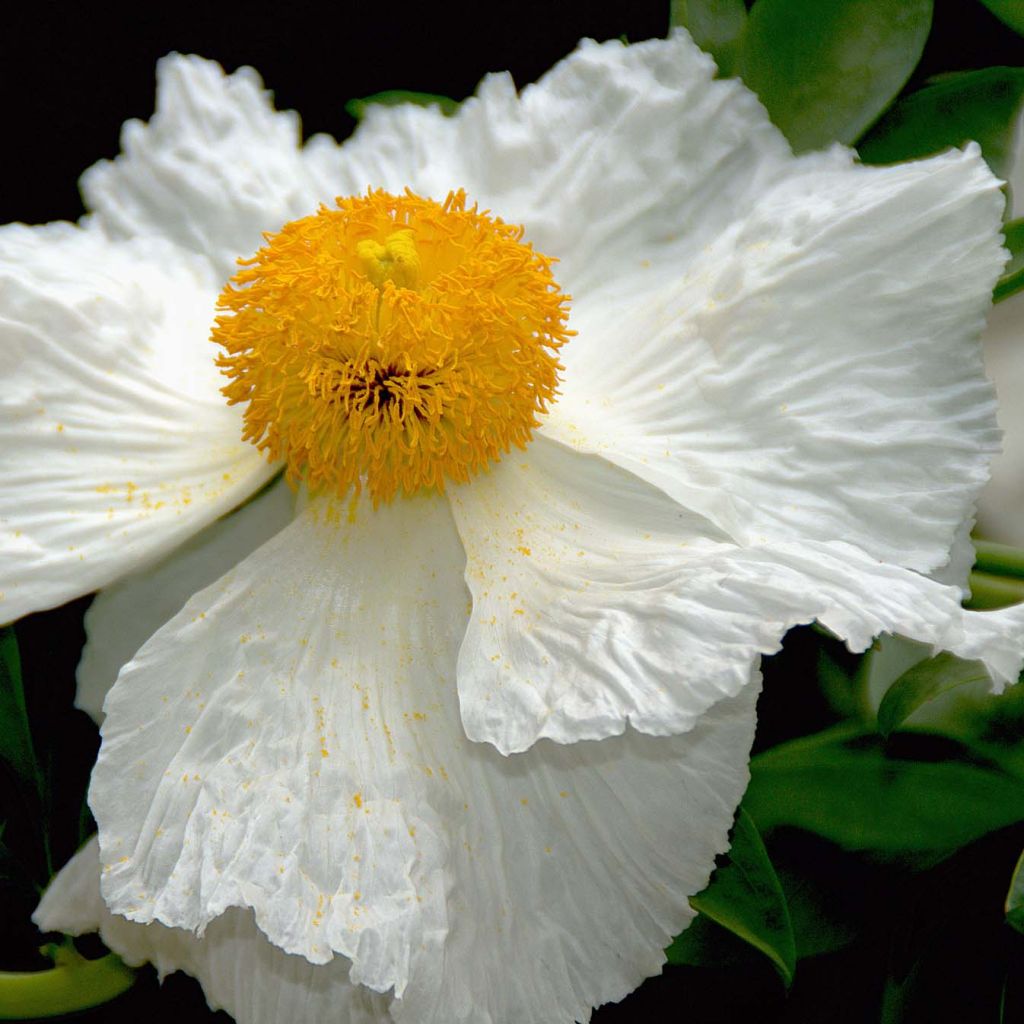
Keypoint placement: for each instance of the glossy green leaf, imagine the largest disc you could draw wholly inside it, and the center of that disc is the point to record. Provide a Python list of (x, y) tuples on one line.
[(1009, 12), (924, 682), (979, 105), (396, 97), (1015, 897), (15, 739), (825, 71), (746, 899), (716, 26), (849, 786), (1012, 280)]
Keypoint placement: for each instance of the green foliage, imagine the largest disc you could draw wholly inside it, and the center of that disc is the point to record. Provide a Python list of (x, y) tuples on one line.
[(1009, 12), (825, 71), (746, 899), (15, 738), (980, 105), (1015, 897), (716, 26), (1012, 280), (846, 785), (924, 682), (358, 108)]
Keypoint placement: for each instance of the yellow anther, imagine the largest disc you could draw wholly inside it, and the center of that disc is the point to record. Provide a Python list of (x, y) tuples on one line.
[(393, 343), (396, 260)]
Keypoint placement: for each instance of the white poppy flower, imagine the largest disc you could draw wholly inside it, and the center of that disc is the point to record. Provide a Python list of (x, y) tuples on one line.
[(399, 734)]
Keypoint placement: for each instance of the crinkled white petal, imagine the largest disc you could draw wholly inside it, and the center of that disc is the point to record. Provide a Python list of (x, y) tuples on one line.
[(1001, 504), (655, 154), (240, 971), (598, 601), (126, 614), (117, 443), (214, 168), (617, 157), (291, 742), (815, 372)]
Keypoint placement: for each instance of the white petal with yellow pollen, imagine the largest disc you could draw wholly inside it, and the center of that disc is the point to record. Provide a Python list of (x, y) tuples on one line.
[(214, 168), (656, 155), (123, 616), (117, 443), (598, 601), (815, 373), (240, 971), (292, 742)]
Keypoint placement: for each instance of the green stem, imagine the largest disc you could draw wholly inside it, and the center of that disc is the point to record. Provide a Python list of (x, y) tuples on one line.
[(73, 984), (989, 591), (998, 559)]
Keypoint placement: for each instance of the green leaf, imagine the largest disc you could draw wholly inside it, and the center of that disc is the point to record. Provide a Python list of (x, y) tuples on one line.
[(1012, 280), (979, 105), (745, 898), (1009, 12), (396, 97), (707, 944), (849, 786), (924, 682), (1015, 897), (716, 26), (825, 71), (15, 738)]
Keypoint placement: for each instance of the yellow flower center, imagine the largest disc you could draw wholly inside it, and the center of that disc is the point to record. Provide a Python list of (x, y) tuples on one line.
[(392, 343)]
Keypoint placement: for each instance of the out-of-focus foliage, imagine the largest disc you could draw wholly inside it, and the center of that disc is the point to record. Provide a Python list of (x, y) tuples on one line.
[(953, 110), (922, 683), (849, 787), (717, 27), (825, 71), (745, 898)]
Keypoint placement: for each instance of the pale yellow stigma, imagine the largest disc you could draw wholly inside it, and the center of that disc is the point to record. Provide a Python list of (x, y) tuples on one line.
[(393, 343)]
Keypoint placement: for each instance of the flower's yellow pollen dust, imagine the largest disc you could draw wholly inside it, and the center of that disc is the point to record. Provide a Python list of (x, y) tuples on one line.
[(393, 343)]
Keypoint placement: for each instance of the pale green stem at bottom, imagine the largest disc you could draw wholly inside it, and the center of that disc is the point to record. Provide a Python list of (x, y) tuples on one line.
[(73, 984)]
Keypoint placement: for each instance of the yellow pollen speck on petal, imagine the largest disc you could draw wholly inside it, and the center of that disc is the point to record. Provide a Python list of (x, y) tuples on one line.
[(393, 343)]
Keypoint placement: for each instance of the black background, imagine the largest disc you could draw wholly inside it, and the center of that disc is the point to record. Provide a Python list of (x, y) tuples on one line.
[(70, 74)]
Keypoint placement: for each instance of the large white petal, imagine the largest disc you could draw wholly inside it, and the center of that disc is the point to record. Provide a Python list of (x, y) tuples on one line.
[(620, 156), (117, 443), (292, 742), (815, 372), (214, 168), (123, 616), (598, 601), (240, 971)]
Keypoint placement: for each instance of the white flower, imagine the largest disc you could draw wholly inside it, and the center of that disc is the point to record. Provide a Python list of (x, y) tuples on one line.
[(774, 411)]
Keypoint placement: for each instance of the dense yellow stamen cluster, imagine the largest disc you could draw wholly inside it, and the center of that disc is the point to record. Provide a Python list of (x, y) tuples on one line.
[(392, 343)]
